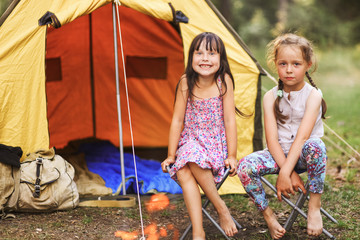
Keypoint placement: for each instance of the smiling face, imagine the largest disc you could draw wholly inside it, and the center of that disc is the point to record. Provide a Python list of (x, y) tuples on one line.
[(291, 67), (205, 62)]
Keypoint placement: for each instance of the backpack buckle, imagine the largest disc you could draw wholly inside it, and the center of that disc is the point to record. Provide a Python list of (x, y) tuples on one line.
[(36, 193)]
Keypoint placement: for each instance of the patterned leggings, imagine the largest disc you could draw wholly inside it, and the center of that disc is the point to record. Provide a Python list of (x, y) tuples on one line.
[(313, 159)]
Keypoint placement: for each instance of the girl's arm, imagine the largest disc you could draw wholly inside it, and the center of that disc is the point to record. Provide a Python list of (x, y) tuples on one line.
[(230, 126), (271, 134), (177, 122), (271, 130), (312, 109)]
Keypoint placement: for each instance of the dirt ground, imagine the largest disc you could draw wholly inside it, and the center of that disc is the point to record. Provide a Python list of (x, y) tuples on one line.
[(125, 223), (104, 223)]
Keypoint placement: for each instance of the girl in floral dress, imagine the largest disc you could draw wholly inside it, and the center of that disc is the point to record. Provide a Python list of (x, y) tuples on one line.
[(202, 138), (293, 113)]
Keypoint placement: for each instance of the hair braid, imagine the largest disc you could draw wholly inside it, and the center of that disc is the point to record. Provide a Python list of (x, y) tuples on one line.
[(278, 112), (310, 80), (323, 103)]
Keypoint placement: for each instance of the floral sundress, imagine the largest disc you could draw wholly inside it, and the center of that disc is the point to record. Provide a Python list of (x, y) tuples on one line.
[(203, 139)]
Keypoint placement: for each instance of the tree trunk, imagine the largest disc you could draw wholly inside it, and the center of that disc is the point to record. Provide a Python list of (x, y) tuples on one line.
[(282, 15), (225, 9)]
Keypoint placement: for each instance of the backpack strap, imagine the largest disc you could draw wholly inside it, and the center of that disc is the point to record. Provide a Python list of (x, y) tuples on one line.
[(4, 215), (39, 163)]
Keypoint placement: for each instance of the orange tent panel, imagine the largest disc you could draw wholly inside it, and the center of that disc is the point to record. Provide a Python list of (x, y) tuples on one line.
[(85, 101)]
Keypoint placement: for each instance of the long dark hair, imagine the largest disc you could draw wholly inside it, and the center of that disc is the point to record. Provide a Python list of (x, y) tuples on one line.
[(213, 42)]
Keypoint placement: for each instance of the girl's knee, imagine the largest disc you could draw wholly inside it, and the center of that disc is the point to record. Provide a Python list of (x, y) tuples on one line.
[(246, 168), (184, 173), (243, 166), (314, 145), (315, 148)]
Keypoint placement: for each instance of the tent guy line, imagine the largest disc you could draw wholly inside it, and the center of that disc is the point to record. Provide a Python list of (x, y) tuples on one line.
[(116, 5)]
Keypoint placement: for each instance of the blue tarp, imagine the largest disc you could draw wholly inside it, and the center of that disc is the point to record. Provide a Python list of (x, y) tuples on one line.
[(103, 158)]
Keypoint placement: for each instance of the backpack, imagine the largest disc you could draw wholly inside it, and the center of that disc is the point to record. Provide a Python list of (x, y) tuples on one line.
[(9, 177), (46, 183)]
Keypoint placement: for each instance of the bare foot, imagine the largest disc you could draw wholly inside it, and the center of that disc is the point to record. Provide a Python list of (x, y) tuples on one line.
[(227, 223), (314, 220), (275, 229)]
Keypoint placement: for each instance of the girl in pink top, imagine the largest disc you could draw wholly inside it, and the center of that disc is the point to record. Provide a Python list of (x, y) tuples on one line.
[(202, 138), (293, 113)]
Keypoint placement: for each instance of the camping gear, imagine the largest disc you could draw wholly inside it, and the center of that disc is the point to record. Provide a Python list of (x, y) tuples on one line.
[(102, 158), (78, 98), (9, 188), (46, 183), (87, 182), (9, 177)]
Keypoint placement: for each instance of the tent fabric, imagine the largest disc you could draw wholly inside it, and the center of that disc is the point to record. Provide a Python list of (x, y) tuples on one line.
[(23, 108), (150, 99), (78, 98), (243, 68), (23, 119), (157, 9)]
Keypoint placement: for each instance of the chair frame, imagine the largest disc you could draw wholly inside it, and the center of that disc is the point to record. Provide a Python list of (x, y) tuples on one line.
[(298, 206), (205, 204)]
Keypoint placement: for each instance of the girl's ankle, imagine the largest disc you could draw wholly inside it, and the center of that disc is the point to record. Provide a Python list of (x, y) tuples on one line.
[(314, 201), (268, 212), (200, 235)]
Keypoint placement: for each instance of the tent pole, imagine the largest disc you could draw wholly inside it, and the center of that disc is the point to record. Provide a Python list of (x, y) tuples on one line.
[(118, 102)]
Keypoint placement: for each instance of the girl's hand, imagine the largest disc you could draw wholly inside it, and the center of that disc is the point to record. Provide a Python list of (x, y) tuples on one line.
[(284, 186), (167, 162), (232, 164), (297, 182)]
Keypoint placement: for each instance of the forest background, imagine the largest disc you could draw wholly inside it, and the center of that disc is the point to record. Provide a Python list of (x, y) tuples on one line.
[(333, 27)]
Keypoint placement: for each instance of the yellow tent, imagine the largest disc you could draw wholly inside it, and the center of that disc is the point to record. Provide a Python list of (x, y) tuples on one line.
[(28, 111)]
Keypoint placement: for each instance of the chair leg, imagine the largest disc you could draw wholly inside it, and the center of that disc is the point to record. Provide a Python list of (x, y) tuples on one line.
[(215, 223), (323, 211), (236, 223), (299, 203), (293, 205), (205, 204), (187, 230)]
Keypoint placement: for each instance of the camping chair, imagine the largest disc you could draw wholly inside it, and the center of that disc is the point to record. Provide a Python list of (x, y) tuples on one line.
[(297, 206), (205, 204)]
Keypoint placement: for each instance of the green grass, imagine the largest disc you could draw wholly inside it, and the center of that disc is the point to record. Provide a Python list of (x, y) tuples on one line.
[(338, 74), (344, 204), (338, 78), (341, 202), (87, 219)]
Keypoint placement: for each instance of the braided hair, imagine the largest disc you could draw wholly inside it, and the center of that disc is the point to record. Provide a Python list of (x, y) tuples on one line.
[(323, 103), (308, 54)]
